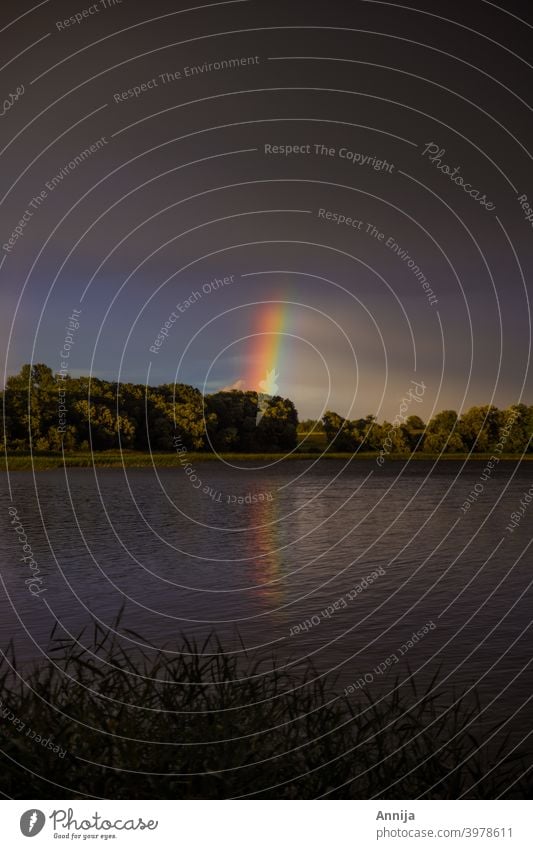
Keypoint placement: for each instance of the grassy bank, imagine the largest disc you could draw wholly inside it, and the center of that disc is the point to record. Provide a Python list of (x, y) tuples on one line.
[(170, 460), (206, 725)]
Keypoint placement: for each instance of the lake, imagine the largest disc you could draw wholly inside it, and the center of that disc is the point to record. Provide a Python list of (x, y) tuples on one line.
[(338, 562)]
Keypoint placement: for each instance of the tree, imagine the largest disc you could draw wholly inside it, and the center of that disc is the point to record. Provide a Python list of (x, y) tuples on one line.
[(105, 414), (394, 440), (480, 427), (371, 434), (310, 425), (30, 404), (340, 433), (516, 431), (233, 422), (277, 429)]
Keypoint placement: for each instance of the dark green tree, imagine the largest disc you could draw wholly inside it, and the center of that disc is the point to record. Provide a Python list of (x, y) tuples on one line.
[(479, 428), (442, 434)]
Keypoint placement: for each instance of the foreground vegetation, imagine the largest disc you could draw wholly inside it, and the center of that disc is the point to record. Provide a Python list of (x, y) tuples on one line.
[(207, 724)]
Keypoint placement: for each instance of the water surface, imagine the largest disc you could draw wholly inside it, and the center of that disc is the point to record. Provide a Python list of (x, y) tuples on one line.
[(257, 556)]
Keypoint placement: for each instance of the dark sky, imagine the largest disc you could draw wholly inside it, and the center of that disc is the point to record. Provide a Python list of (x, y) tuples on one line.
[(184, 188)]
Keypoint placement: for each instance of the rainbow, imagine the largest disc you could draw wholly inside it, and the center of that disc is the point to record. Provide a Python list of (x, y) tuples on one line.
[(265, 348)]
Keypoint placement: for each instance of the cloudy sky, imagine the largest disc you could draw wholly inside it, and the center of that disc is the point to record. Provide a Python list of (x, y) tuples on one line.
[(335, 191)]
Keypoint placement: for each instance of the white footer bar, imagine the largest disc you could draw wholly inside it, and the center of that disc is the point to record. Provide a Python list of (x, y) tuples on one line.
[(268, 824)]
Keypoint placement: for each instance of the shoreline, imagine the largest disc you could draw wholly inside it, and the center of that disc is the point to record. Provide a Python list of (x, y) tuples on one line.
[(170, 460)]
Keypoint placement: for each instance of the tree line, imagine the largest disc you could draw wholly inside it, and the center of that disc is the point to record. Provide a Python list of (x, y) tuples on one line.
[(50, 413), (480, 429)]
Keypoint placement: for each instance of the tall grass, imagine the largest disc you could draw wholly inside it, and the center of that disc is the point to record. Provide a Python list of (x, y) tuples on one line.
[(209, 724), (138, 459)]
